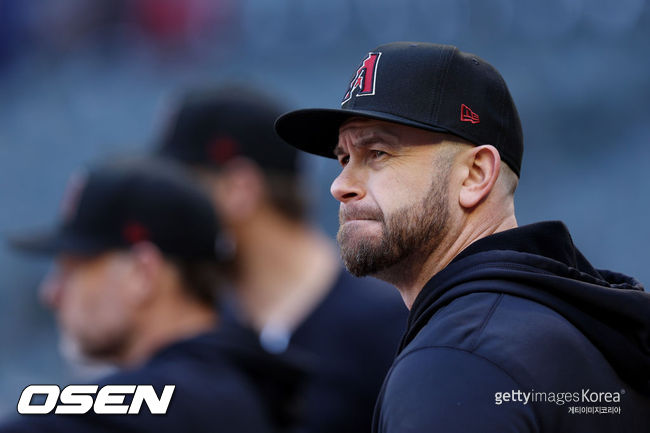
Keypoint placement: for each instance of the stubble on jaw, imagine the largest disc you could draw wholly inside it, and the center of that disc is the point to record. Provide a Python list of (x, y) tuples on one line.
[(408, 236)]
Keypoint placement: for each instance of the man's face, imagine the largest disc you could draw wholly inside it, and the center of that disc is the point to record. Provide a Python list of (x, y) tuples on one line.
[(91, 298), (394, 196)]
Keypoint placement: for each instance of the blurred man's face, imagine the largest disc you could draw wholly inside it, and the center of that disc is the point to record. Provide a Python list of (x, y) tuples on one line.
[(393, 190), (90, 296)]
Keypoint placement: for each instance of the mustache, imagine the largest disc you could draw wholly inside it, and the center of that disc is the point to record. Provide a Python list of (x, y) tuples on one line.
[(349, 212)]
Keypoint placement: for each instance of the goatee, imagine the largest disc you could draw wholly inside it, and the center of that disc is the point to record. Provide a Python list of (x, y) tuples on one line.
[(409, 233)]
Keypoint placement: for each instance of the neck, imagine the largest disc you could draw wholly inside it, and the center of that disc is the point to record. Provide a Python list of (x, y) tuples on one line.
[(284, 268), (166, 323), (411, 275)]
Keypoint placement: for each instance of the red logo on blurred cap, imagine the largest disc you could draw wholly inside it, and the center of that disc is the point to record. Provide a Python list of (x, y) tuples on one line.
[(221, 149), (467, 115), (135, 232)]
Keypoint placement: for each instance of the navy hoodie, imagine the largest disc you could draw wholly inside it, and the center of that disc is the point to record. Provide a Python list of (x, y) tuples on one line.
[(519, 333), (224, 381)]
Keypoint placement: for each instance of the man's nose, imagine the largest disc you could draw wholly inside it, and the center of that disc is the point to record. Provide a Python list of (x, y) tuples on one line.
[(51, 289), (348, 185)]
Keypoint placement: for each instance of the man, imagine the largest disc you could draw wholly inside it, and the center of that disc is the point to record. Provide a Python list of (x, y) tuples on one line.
[(135, 286), (289, 286), (511, 328)]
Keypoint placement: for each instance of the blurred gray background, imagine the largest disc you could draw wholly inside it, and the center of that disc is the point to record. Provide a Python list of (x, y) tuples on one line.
[(82, 80)]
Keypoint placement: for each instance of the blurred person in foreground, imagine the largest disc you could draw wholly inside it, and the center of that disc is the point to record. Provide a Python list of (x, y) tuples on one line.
[(289, 285), (136, 285), (511, 328)]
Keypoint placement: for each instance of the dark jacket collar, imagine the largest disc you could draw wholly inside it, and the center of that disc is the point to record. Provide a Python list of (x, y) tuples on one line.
[(539, 262), (549, 239)]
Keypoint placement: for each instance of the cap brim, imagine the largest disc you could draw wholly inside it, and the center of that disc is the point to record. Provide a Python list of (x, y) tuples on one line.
[(52, 242), (316, 130)]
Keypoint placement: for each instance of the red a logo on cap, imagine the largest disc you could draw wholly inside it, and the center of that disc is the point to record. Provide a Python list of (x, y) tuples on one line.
[(364, 78), (467, 115)]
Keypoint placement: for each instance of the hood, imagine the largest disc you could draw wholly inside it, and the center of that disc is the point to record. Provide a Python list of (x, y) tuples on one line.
[(540, 262)]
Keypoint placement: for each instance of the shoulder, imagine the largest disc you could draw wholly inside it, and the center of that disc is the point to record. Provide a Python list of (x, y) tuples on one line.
[(198, 403), (496, 326), (451, 390), (206, 377), (365, 307), (360, 319), (366, 296), (478, 348), (522, 337), (209, 389)]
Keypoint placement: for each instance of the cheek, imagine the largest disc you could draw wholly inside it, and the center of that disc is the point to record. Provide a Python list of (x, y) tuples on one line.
[(111, 302), (92, 306), (398, 189), (76, 307)]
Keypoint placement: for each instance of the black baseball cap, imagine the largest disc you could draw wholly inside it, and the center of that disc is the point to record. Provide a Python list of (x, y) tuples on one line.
[(213, 125), (428, 86), (115, 205)]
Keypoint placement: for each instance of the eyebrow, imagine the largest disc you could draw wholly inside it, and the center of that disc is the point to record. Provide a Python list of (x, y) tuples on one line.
[(371, 138)]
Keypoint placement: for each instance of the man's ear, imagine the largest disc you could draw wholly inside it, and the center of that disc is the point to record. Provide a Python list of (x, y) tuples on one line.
[(149, 266), (483, 164)]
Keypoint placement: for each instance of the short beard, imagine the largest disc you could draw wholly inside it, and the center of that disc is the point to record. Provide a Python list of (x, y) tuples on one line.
[(74, 355), (108, 349), (409, 235)]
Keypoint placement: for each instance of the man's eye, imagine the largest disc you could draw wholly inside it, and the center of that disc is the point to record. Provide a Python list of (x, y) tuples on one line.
[(344, 159), (378, 153)]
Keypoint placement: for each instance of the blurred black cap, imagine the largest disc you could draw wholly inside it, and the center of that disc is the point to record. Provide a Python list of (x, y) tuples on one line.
[(114, 206), (211, 126)]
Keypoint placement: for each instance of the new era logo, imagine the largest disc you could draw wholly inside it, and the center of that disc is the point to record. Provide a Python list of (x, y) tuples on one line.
[(467, 115)]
